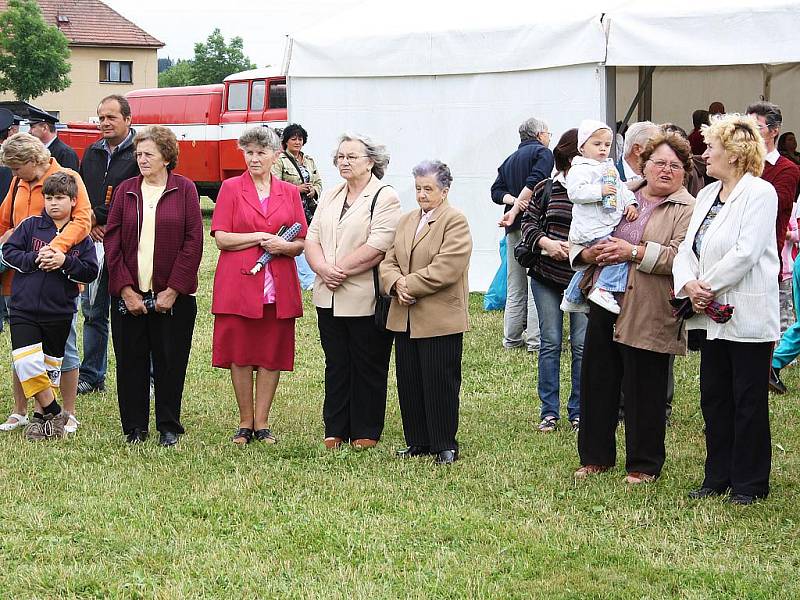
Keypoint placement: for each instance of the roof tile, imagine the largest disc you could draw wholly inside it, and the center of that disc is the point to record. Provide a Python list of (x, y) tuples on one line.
[(93, 23)]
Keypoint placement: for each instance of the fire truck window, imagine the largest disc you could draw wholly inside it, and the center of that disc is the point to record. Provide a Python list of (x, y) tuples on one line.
[(237, 96), (257, 96), (277, 94)]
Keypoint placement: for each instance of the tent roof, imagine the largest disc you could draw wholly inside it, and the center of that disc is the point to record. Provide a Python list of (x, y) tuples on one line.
[(710, 32), (420, 37)]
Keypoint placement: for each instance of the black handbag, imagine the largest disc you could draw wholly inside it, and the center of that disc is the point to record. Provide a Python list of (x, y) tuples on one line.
[(523, 251), (382, 301)]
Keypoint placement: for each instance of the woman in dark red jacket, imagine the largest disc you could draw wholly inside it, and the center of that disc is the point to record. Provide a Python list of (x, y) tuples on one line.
[(153, 246), (254, 314)]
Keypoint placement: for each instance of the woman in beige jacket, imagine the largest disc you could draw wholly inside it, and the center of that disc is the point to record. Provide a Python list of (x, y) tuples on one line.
[(630, 352), (351, 231), (425, 271)]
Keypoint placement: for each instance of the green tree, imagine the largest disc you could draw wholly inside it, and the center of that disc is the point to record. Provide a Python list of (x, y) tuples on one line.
[(215, 60), (177, 75), (33, 55)]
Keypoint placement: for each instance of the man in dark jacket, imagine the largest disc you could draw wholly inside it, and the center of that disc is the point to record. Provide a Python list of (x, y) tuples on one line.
[(43, 126), (517, 176), (106, 164)]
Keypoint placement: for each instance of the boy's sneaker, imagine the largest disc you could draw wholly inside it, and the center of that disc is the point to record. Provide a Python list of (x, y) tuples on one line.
[(604, 299), (34, 431), (576, 425), (57, 425), (573, 307), (548, 424)]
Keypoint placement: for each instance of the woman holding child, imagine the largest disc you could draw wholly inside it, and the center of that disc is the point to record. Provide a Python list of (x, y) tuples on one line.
[(629, 352)]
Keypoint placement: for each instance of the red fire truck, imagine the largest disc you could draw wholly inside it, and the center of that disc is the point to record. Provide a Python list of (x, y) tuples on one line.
[(207, 119)]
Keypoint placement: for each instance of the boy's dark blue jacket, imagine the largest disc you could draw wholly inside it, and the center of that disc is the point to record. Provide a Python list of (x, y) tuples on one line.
[(46, 295)]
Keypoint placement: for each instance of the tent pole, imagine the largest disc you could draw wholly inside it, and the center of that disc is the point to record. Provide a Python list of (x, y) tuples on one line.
[(611, 102), (767, 70), (648, 78), (646, 102)]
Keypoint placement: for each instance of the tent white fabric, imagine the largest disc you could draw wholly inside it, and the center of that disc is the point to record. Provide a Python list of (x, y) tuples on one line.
[(711, 32), (447, 80)]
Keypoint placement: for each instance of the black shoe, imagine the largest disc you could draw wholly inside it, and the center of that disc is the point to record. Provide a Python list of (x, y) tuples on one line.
[(703, 492), (742, 499), (168, 438), (84, 387), (137, 436), (775, 383), (446, 457), (413, 451)]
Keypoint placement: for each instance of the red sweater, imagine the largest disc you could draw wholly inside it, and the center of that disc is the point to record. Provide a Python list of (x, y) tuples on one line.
[(178, 239), (783, 176)]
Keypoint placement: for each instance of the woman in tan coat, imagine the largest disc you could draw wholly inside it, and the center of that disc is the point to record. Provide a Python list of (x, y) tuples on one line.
[(630, 352), (349, 235), (425, 271)]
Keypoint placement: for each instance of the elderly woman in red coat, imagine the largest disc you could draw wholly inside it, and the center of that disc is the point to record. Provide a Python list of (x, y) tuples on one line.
[(254, 314)]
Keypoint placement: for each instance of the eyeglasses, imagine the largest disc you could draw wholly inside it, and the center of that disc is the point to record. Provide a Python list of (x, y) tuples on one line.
[(350, 158), (661, 165)]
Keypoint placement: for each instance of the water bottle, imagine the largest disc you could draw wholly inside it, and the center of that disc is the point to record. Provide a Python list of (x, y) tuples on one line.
[(610, 178)]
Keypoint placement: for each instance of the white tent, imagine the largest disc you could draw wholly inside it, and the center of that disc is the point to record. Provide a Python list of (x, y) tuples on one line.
[(453, 80), (733, 51), (448, 80)]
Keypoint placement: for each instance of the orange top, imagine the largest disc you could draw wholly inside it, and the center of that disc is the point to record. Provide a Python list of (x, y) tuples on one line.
[(30, 202)]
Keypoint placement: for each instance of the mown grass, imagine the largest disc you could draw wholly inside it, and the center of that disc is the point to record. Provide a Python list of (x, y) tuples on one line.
[(91, 517)]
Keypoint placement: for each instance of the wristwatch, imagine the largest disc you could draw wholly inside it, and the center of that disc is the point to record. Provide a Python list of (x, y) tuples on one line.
[(635, 252)]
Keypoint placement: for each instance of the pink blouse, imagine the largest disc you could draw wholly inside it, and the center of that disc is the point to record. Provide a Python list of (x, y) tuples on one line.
[(269, 282)]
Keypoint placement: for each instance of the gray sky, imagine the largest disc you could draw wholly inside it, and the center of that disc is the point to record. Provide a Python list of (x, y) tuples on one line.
[(262, 25)]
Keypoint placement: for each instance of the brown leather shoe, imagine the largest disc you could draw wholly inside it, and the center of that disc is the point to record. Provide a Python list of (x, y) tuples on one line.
[(635, 478), (364, 443), (331, 443), (587, 470)]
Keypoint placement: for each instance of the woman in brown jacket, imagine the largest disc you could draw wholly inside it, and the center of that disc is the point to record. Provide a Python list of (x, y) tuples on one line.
[(425, 270), (630, 352)]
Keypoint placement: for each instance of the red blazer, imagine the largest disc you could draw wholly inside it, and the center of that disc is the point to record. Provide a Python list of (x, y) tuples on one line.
[(178, 243), (783, 176), (238, 210)]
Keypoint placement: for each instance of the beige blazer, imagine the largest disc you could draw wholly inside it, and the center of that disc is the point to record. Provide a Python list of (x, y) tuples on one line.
[(340, 237), (435, 266)]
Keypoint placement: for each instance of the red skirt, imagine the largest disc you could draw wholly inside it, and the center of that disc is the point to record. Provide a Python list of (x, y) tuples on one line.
[(267, 342)]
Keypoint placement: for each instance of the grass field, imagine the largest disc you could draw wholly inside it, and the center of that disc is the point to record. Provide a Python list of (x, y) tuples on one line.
[(92, 517)]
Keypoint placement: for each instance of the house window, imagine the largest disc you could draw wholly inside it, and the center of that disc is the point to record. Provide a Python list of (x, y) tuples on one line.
[(277, 94), (116, 71)]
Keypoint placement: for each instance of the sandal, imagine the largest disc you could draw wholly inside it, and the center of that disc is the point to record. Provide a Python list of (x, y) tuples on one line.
[(19, 421), (243, 436), (265, 435), (587, 470), (72, 424), (635, 478)]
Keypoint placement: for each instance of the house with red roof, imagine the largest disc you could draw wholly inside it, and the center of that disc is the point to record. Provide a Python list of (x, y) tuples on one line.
[(109, 55)]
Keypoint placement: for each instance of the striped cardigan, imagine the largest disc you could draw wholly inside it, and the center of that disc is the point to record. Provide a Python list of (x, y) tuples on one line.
[(554, 223)]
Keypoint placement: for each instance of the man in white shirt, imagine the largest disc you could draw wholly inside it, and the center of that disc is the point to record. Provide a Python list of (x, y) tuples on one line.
[(636, 138)]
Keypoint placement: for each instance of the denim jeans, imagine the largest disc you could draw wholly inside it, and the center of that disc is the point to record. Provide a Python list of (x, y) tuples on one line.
[(95, 333), (548, 300), (520, 321), (613, 278), (304, 272)]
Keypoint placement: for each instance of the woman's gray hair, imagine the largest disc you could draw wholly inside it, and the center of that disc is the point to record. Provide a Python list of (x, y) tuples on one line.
[(262, 136), (436, 169), (531, 128), (375, 152)]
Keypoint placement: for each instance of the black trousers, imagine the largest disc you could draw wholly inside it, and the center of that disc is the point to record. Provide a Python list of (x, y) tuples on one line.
[(168, 338), (734, 399), (609, 368), (428, 385), (356, 371)]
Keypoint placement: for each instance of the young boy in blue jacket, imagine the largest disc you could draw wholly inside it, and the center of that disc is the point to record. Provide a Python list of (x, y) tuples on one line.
[(43, 295)]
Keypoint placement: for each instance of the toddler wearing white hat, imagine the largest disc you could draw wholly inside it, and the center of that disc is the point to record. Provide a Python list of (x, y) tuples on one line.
[(591, 178)]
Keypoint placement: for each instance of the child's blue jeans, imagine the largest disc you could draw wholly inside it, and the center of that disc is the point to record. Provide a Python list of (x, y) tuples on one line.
[(613, 278)]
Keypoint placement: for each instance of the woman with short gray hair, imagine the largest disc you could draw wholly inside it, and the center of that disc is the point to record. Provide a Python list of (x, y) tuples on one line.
[(352, 229), (255, 312), (425, 271)]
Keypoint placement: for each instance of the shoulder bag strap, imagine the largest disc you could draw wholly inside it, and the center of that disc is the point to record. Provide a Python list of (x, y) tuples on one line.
[(13, 200), (296, 166), (375, 268)]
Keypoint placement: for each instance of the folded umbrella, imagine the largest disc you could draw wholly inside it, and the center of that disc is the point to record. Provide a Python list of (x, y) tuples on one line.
[(287, 234)]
